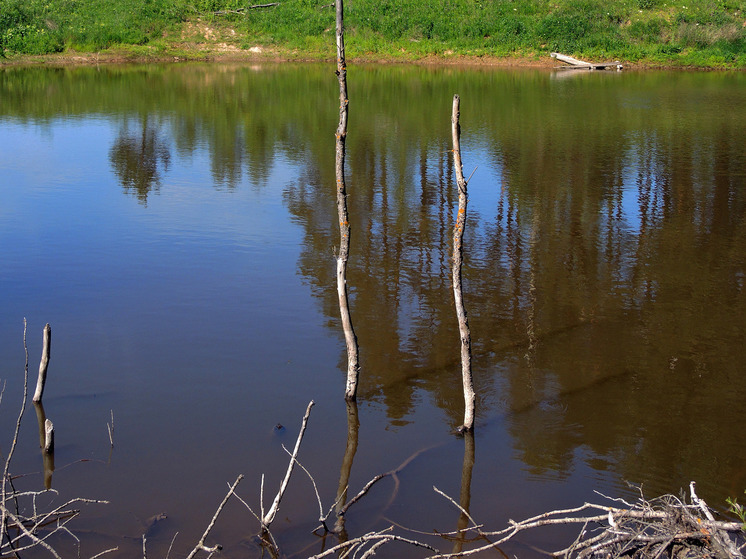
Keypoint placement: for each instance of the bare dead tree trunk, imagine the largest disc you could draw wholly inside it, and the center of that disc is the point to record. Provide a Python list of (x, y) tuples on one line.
[(353, 366), (458, 236), (47, 342)]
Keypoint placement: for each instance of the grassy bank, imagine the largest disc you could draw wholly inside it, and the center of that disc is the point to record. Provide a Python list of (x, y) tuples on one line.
[(700, 33)]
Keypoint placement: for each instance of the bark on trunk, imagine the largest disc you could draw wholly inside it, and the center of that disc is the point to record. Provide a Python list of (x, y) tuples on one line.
[(353, 366), (458, 236)]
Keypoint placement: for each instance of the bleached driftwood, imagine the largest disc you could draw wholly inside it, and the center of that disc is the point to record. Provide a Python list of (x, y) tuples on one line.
[(242, 10), (665, 526), (582, 65)]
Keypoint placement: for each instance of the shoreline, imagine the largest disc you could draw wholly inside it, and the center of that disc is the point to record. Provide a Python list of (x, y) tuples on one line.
[(225, 54)]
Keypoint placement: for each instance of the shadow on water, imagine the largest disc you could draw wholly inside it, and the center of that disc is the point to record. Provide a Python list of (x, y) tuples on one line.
[(604, 270)]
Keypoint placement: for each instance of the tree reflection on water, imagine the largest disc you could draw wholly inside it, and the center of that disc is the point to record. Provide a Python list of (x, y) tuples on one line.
[(139, 158), (605, 253)]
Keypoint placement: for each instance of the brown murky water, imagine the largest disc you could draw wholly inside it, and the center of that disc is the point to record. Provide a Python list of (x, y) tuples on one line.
[(176, 226)]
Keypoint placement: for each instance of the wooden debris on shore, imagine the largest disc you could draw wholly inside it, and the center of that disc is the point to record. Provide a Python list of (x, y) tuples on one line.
[(242, 10), (575, 64)]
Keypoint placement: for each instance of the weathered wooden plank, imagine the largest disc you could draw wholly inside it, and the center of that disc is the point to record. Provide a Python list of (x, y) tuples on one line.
[(570, 60), (581, 64)]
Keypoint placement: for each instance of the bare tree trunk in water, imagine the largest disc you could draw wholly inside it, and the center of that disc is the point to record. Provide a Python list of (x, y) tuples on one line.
[(458, 236), (353, 366), (41, 381)]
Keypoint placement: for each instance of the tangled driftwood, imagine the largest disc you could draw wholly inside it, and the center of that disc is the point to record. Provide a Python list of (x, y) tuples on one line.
[(664, 527)]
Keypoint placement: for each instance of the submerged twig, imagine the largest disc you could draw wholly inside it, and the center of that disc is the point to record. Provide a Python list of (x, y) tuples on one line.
[(376, 539), (170, 547), (393, 473), (111, 429), (102, 553), (459, 507), (270, 516), (201, 543), (322, 515)]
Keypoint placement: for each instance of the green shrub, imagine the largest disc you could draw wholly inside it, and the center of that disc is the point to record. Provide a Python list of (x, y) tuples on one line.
[(29, 39), (41, 26), (512, 26), (647, 4), (24, 29), (669, 49), (646, 31), (624, 29), (562, 31)]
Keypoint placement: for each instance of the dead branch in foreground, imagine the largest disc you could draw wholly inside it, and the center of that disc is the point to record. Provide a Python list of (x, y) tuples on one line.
[(665, 527), (374, 540), (23, 522), (270, 516), (662, 527), (201, 543)]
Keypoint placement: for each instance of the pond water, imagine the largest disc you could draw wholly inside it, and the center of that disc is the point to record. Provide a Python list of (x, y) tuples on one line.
[(176, 226)]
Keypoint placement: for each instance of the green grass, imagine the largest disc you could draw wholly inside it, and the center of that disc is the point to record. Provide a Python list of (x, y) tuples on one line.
[(710, 33), (46, 26)]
